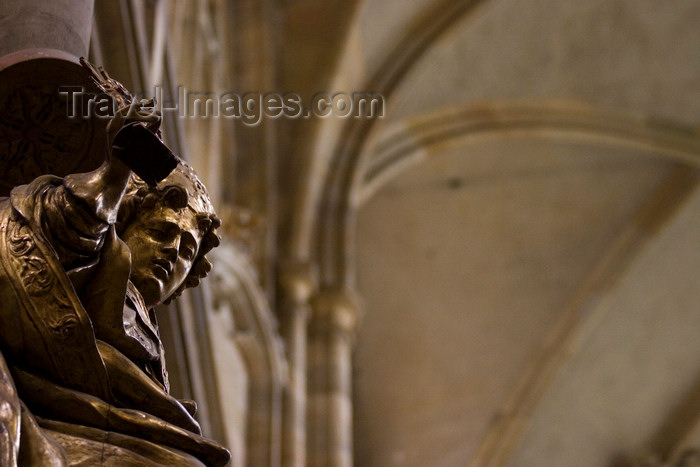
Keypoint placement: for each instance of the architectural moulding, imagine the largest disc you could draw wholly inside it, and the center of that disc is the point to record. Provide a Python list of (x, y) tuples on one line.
[(326, 209), (336, 315), (296, 285), (407, 142), (235, 289)]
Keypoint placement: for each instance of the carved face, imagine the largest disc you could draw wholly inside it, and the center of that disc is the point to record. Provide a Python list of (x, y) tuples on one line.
[(164, 243)]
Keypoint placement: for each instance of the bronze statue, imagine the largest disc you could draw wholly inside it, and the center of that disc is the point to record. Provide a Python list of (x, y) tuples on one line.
[(83, 261)]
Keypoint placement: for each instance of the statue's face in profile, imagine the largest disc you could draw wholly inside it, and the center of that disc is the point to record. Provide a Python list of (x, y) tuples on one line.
[(164, 243)]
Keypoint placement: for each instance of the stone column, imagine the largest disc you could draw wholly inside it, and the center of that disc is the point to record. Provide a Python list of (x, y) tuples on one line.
[(331, 337), (40, 24), (296, 286)]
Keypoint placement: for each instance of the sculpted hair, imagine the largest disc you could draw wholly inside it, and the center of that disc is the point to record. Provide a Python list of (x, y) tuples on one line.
[(139, 196)]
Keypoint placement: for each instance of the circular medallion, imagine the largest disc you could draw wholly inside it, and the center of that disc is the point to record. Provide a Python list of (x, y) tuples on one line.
[(44, 128)]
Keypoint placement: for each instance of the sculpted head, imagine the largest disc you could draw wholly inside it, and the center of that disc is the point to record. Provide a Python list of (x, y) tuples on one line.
[(168, 229)]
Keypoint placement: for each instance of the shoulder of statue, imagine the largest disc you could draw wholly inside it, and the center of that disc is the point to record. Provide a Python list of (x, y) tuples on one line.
[(23, 197)]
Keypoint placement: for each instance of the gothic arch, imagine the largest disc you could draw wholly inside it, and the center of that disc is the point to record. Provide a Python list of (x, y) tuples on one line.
[(326, 232), (408, 142)]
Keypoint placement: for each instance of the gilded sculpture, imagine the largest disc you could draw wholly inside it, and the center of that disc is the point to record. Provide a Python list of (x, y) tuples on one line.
[(84, 259)]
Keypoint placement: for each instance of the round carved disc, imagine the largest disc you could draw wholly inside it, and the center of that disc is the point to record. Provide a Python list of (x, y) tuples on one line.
[(37, 136)]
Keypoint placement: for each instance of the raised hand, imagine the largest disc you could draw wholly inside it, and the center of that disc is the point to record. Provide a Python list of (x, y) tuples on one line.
[(128, 110), (133, 133)]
